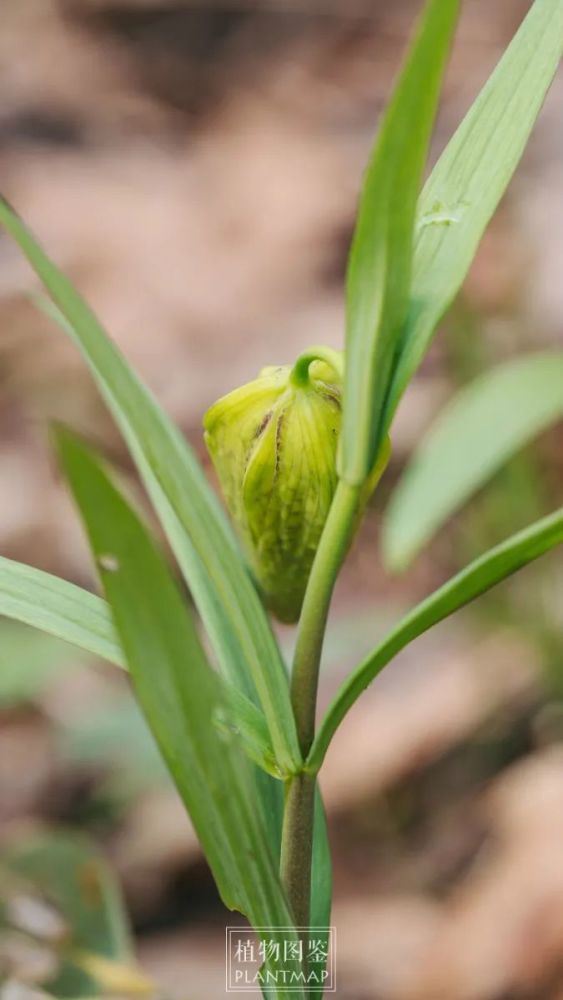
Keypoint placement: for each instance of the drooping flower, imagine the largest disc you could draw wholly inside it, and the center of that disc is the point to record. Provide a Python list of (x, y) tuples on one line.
[(273, 444)]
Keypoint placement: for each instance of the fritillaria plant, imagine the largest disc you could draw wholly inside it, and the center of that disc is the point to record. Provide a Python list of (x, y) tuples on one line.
[(298, 452)]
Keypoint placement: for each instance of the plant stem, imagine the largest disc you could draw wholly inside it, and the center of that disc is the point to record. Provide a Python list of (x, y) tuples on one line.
[(297, 845), (297, 833), (330, 555)]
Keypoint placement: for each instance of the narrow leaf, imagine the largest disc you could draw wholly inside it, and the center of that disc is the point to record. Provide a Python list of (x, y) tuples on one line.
[(480, 429), (471, 177), (321, 884), (242, 717), (478, 577), (30, 596), (204, 546), (177, 692), (46, 602), (381, 255)]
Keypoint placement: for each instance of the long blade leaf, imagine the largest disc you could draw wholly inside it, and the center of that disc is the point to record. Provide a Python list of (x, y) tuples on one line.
[(478, 577), (207, 554), (480, 429), (381, 255), (470, 178), (177, 692), (46, 602), (321, 884), (62, 609)]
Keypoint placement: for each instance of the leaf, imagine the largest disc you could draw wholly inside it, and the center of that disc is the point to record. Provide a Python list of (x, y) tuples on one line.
[(482, 574), (242, 717), (113, 737), (202, 542), (64, 610), (321, 882), (30, 596), (29, 662), (481, 427), (177, 692), (471, 177), (70, 874), (380, 259)]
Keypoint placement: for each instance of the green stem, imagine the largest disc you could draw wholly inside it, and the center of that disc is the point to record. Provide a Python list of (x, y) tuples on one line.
[(297, 833), (297, 845), (332, 549)]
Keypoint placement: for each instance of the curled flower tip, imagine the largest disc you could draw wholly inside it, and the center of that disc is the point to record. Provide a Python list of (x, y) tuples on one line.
[(273, 444)]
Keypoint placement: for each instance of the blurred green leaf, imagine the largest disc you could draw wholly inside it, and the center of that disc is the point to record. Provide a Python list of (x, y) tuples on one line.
[(29, 661), (114, 735), (475, 579), (379, 269), (188, 509), (178, 692), (470, 178), (69, 873), (482, 426)]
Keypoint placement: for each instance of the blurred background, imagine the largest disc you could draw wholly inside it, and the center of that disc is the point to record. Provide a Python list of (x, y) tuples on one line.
[(194, 168)]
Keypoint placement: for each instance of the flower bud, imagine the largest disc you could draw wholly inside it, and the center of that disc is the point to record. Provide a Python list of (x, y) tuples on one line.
[(273, 444)]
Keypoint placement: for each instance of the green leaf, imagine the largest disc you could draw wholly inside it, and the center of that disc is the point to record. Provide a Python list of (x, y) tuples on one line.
[(242, 717), (70, 874), (482, 426), (381, 256), (64, 610), (198, 533), (321, 882), (470, 178), (29, 662), (113, 737), (60, 608), (475, 579), (178, 692)]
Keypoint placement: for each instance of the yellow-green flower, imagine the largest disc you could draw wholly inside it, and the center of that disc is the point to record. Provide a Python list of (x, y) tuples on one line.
[(273, 444)]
